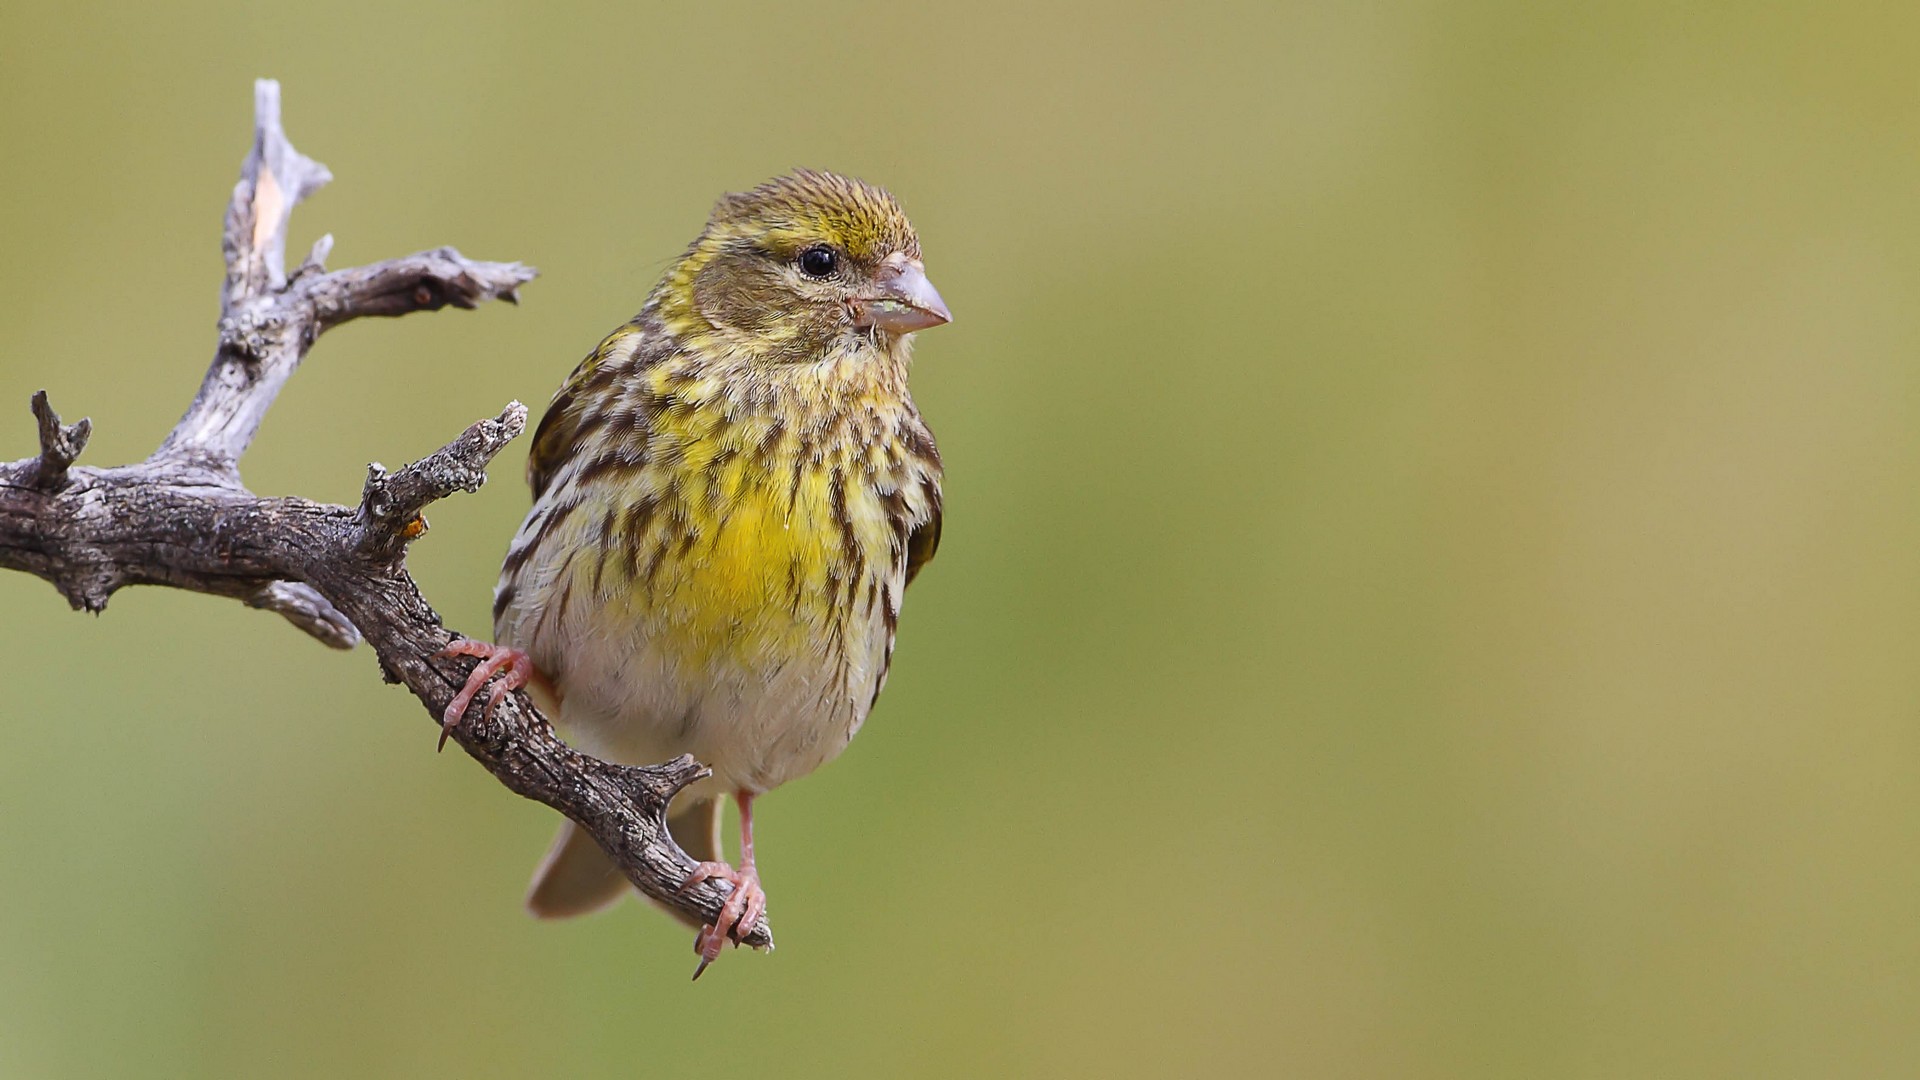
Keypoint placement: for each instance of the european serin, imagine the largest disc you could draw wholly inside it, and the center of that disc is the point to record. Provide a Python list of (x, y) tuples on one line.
[(730, 496)]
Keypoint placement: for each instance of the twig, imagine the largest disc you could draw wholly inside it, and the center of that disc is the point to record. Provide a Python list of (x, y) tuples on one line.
[(183, 519), (390, 505), (60, 444)]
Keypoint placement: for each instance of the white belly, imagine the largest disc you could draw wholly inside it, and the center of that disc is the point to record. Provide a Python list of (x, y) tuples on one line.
[(757, 721), (756, 729)]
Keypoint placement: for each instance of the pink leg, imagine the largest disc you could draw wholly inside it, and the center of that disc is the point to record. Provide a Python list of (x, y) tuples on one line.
[(745, 903), (493, 659)]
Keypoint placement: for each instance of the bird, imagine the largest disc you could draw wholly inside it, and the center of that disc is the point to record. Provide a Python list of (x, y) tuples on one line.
[(731, 495)]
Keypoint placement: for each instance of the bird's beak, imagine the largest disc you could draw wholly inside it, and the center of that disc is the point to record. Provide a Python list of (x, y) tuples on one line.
[(907, 301)]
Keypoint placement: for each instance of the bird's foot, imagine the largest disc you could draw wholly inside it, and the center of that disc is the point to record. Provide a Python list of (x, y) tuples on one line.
[(493, 660), (738, 915)]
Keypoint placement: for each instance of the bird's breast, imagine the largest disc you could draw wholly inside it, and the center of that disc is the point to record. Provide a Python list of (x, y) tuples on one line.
[(721, 578), (754, 542)]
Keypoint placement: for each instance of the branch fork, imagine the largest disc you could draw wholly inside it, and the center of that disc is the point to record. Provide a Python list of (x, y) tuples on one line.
[(182, 518)]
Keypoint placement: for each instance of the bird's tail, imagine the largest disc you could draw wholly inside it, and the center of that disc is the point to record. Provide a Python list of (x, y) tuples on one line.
[(577, 878)]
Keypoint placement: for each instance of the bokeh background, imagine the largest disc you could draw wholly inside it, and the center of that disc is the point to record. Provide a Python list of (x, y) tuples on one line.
[(1431, 585)]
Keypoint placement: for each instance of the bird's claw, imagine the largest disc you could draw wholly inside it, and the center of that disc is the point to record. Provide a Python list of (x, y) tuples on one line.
[(493, 659), (738, 916)]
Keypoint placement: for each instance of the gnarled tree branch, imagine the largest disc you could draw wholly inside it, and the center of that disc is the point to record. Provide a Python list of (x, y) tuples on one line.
[(182, 518)]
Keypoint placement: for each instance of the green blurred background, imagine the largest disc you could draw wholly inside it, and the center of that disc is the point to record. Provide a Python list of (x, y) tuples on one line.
[(1430, 582)]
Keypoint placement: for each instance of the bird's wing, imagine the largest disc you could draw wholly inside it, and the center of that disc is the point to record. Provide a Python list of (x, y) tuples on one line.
[(558, 436), (551, 439), (923, 541)]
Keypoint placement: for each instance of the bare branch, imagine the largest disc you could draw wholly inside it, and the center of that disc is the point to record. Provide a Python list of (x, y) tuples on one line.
[(267, 323), (390, 505), (261, 342), (273, 180), (316, 261), (183, 519), (308, 610), (428, 281), (60, 444)]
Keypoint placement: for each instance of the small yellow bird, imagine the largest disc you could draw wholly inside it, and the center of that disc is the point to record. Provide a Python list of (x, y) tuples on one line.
[(730, 496)]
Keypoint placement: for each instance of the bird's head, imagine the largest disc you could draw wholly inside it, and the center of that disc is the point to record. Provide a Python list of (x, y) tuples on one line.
[(799, 263)]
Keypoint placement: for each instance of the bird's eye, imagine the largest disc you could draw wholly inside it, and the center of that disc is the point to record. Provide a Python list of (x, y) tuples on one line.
[(818, 261)]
